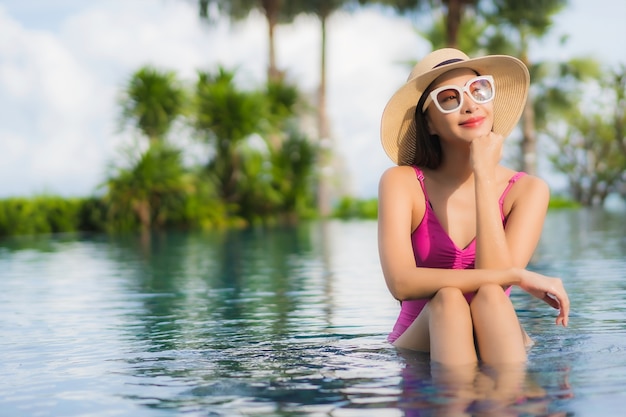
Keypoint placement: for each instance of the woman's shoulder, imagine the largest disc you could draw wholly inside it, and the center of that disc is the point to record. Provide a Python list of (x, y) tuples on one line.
[(523, 178), (525, 191), (531, 181), (400, 197), (400, 179), (528, 186), (399, 173)]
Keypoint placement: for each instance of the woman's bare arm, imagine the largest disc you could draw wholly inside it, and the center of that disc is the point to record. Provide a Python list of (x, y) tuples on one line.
[(496, 246), (401, 206), (401, 203)]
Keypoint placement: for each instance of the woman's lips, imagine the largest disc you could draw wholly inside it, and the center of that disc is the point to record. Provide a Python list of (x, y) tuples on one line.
[(473, 122)]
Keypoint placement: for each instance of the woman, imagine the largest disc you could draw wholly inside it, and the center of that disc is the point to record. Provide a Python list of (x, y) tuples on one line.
[(456, 228)]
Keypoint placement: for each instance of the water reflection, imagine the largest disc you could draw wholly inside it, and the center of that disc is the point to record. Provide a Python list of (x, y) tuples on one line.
[(231, 283), (587, 249), (430, 389), (287, 322), (580, 235)]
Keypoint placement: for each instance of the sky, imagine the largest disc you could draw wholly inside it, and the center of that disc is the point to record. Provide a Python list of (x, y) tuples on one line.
[(63, 64)]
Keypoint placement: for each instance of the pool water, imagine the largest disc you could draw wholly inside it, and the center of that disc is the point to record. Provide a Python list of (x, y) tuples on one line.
[(287, 322)]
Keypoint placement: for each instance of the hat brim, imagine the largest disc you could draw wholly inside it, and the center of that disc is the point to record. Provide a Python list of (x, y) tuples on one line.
[(512, 81)]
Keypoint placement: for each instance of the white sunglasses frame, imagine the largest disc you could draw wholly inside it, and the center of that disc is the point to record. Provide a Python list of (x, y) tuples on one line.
[(432, 96)]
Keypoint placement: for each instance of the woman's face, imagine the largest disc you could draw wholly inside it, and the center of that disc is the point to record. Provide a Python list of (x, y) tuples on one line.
[(469, 121)]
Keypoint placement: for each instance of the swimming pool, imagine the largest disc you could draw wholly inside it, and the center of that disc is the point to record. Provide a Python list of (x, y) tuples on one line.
[(284, 322)]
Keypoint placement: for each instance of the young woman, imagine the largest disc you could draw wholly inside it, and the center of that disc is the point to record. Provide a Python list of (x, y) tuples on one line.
[(456, 228)]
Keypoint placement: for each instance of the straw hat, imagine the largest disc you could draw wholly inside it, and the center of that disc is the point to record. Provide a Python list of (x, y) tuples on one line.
[(398, 132)]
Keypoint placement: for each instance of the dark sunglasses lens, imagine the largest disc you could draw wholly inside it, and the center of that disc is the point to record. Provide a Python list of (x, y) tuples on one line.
[(449, 99)]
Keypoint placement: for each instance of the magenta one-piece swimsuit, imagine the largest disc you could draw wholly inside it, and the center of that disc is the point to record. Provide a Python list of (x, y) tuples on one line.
[(433, 248)]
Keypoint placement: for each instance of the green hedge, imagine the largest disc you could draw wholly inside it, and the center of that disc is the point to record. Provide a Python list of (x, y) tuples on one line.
[(41, 214), (54, 214), (352, 208), (559, 202)]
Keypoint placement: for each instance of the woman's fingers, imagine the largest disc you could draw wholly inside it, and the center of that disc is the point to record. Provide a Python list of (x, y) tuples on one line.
[(562, 301), (551, 291), (554, 303), (563, 317), (551, 300)]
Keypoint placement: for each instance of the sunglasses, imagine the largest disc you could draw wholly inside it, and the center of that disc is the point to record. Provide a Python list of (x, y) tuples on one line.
[(449, 98)]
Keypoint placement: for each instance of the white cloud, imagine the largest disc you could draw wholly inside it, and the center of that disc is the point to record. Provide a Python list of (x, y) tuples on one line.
[(368, 61), (131, 34), (45, 99), (62, 88), (62, 67), (67, 80)]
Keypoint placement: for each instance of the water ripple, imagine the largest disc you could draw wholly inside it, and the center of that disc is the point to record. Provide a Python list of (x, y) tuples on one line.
[(211, 325)]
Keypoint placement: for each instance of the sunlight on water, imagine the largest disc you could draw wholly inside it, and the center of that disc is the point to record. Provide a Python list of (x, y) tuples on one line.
[(289, 322)]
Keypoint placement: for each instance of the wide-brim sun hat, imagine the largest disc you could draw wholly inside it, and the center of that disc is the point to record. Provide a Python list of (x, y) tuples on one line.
[(398, 130)]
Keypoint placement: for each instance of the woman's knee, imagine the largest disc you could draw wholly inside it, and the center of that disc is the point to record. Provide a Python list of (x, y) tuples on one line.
[(490, 294), (448, 298)]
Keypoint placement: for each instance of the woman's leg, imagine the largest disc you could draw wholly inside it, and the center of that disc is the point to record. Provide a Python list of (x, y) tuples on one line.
[(444, 327), (499, 335)]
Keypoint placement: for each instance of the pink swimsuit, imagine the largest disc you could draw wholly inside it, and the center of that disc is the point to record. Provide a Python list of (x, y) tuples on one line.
[(433, 248)]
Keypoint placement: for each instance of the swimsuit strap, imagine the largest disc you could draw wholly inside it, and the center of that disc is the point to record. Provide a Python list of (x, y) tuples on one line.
[(512, 181), (420, 177)]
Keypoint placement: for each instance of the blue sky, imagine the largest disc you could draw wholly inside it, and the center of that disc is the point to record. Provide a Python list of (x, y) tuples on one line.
[(63, 64)]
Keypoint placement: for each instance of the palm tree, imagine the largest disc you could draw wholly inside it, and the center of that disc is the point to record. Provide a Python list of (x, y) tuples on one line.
[(323, 9), (454, 12), (155, 182), (470, 34), (292, 169), (273, 10), (224, 118), (592, 152), (516, 23), (257, 183), (151, 102), (520, 22), (278, 11), (150, 192)]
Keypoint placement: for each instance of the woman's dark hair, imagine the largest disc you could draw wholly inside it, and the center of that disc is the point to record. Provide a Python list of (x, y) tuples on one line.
[(428, 153)]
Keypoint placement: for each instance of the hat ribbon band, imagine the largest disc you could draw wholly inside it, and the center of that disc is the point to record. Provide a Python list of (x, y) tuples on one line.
[(449, 61)]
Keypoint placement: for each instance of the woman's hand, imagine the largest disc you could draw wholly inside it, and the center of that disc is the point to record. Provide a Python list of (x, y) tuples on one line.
[(486, 152), (548, 289)]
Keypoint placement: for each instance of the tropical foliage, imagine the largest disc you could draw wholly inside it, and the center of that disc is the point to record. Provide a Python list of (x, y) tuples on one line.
[(40, 214), (351, 208), (591, 146), (251, 162), (151, 192), (152, 101), (592, 149), (259, 167)]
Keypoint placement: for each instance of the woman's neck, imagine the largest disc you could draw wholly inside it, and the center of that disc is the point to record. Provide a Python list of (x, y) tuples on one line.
[(455, 164)]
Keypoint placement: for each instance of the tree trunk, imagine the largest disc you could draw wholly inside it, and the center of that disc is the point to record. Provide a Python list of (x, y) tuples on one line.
[(143, 212), (271, 8), (323, 128), (529, 140), (453, 21), (529, 132)]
